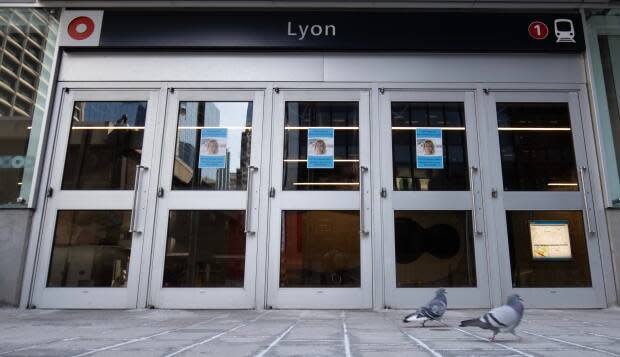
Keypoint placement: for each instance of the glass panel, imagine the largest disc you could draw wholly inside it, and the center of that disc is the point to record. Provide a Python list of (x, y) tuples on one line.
[(205, 249), (91, 249), (450, 118), (24, 83), (343, 117), (434, 248), (105, 145), (541, 258), (320, 249), (609, 110), (536, 144), (197, 117)]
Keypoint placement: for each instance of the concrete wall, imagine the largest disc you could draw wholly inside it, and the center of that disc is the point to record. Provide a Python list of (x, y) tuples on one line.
[(14, 233), (613, 221)]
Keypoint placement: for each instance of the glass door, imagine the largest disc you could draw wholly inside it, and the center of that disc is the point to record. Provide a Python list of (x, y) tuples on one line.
[(434, 233), (545, 224), (319, 236), (94, 225), (206, 221)]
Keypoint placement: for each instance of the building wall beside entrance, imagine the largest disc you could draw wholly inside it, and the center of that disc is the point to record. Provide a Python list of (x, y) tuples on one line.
[(360, 222)]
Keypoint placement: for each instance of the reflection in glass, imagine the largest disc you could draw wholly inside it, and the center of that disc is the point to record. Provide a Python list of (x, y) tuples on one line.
[(27, 44), (536, 273), (320, 249), (205, 249), (536, 146), (450, 117), (433, 249), (105, 145), (193, 116), (608, 46), (344, 118), (91, 249)]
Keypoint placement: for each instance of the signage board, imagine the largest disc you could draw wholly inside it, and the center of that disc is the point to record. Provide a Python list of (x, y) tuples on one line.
[(320, 148), (213, 143), (342, 30), (429, 148), (80, 28), (550, 240)]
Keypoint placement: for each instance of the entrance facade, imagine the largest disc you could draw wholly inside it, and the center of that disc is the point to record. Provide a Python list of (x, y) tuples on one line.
[(209, 194)]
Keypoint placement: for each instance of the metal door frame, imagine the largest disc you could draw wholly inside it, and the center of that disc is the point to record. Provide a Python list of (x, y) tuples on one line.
[(327, 298), (533, 200), (466, 200), (218, 297), (128, 297)]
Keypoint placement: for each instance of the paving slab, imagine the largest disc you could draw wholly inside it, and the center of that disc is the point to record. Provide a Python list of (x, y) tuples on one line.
[(230, 333), (307, 349)]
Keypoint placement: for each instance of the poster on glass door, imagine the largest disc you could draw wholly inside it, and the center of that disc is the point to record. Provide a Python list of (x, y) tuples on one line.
[(213, 143), (321, 148), (429, 148), (550, 240)]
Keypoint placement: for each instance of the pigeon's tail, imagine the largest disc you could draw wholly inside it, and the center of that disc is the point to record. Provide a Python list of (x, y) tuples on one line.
[(414, 317), (472, 322)]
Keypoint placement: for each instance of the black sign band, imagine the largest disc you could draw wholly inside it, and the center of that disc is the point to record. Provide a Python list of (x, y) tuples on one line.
[(344, 31)]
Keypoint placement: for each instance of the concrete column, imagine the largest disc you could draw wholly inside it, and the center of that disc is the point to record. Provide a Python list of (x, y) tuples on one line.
[(14, 234), (613, 221)]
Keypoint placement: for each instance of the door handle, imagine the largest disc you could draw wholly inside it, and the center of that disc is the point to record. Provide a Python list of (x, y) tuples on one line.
[(582, 171), (474, 209), (248, 207), (363, 230), (136, 193)]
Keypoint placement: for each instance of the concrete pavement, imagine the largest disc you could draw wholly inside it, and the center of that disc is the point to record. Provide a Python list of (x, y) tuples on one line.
[(134, 333)]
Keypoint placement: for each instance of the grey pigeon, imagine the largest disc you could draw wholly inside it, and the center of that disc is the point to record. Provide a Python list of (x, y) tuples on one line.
[(501, 319), (434, 310)]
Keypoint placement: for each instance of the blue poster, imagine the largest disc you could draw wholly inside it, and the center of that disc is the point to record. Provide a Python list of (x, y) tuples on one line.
[(320, 148), (429, 148), (213, 143)]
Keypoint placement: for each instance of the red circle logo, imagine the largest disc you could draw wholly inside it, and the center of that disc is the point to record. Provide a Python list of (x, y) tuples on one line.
[(538, 30), (81, 28)]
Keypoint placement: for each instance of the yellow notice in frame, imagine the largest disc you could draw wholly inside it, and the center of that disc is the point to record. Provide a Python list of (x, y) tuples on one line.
[(550, 240)]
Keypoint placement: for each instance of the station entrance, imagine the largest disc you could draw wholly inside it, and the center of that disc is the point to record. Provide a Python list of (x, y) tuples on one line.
[(212, 195)]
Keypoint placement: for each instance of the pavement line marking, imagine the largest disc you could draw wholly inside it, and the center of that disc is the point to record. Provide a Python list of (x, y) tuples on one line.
[(599, 335), (121, 344), (293, 340), (423, 345), (347, 343), (497, 343), (467, 349), (572, 344), (275, 342), (139, 339), (584, 322), (416, 340), (19, 349), (216, 336)]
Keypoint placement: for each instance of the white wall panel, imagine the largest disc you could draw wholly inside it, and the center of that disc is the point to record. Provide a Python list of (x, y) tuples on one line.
[(530, 68), (328, 67), (191, 67)]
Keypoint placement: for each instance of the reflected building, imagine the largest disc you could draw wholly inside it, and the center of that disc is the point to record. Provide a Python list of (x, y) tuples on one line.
[(27, 40), (241, 175), (188, 143)]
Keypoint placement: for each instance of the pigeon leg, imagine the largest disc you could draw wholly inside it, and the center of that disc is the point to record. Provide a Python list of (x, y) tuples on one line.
[(493, 337), (423, 322)]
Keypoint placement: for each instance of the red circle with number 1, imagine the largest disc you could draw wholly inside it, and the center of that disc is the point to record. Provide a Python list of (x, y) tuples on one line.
[(538, 30)]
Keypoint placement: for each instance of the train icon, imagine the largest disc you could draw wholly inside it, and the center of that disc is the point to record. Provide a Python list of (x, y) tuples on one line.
[(564, 30)]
